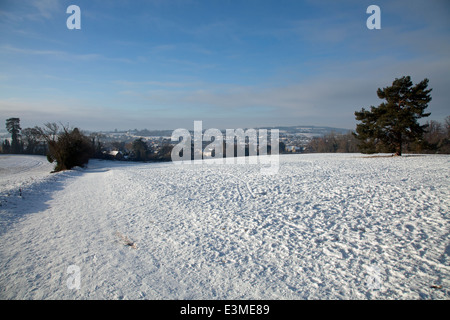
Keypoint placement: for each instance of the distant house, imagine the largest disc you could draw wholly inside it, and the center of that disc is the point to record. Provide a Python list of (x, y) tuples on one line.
[(293, 149), (113, 155), (209, 152)]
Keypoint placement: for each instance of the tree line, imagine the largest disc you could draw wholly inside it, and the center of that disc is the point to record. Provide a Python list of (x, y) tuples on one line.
[(436, 139), (68, 148), (65, 147)]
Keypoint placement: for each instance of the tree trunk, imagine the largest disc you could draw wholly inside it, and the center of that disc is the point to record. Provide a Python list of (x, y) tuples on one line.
[(398, 146)]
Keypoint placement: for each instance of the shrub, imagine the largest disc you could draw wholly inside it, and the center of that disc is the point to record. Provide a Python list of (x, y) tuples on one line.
[(70, 149)]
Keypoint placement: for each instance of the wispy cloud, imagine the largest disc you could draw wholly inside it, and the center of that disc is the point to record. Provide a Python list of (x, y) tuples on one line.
[(166, 84), (12, 49), (333, 95), (62, 54), (31, 10), (46, 8)]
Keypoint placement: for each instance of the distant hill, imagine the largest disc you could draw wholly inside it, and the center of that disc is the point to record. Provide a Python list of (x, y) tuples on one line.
[(309, 131), (153, 133)]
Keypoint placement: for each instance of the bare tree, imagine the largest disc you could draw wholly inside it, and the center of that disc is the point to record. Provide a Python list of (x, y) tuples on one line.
[(31, 138)]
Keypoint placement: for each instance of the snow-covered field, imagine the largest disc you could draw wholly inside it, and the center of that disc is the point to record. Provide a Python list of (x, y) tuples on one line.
[(327, 226)]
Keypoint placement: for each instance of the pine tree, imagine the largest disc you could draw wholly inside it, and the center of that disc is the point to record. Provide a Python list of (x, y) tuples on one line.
[(393, 124), (13, 127)]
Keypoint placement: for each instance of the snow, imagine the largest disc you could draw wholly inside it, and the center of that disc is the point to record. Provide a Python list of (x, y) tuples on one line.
[(326, 226)]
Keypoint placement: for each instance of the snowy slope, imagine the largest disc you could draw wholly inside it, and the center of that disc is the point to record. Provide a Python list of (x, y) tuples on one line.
[(18, 171), (327, 226)]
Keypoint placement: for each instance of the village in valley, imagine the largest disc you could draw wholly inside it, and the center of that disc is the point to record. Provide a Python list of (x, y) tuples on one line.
[(121, 144), (118, 145)]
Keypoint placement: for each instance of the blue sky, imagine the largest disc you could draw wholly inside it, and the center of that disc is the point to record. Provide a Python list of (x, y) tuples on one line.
[(162, 64)]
